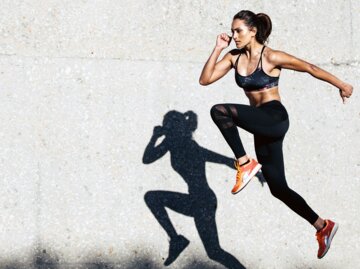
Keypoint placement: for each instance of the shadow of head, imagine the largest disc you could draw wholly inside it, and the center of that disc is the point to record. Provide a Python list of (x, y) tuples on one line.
[(179, 125)]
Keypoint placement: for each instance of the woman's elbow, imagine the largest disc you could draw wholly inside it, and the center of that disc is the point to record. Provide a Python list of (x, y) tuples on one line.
[(203, 82), (312, 69)]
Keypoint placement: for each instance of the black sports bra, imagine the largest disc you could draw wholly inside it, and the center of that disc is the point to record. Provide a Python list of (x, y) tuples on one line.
[(256, 81)]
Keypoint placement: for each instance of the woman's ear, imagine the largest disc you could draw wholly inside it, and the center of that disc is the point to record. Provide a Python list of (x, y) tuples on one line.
[(253, 31)]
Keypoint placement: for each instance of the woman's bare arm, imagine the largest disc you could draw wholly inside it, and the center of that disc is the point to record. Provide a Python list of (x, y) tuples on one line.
[(287, 61), (214, 70)]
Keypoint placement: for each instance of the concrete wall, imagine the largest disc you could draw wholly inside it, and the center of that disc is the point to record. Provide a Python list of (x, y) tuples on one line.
[(84, 83)]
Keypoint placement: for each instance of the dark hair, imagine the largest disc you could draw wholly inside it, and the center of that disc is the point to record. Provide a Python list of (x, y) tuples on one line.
[(261, 21)]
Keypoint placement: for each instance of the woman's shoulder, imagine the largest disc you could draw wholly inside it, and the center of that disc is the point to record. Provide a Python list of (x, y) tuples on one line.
[(272, 55), (280, 58), (234, 54)]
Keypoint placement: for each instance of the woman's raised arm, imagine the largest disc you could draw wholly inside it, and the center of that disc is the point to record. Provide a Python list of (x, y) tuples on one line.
[(214, 70)]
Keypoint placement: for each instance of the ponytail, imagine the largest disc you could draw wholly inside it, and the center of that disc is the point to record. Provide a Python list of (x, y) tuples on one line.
[(264, 27)]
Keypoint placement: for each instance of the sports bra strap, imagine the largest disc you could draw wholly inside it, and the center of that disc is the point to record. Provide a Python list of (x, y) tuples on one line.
[(236, 62), (260, 61)]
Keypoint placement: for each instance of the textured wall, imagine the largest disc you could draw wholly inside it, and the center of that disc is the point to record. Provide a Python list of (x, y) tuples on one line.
[(83, 84)]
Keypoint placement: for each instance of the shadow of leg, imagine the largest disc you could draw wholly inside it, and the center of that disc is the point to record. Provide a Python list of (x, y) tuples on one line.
[(179, 202), (206, 226), (177, 245), (261, 178), (156, 201)]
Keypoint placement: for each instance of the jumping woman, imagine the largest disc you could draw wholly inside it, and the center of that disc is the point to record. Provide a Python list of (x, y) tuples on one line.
[(257, 70)]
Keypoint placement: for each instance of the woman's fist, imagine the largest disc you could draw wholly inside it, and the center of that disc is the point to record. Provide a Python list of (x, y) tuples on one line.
[(223, 41), (345, 91)]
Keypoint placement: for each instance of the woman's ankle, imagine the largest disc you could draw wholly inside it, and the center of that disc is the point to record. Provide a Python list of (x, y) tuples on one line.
[(319, 224), (243, 160)]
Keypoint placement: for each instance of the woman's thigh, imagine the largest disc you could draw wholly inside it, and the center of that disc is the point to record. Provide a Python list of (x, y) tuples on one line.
[(255, 120)]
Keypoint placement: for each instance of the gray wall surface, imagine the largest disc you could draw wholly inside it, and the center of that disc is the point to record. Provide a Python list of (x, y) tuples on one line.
[(83, 83)]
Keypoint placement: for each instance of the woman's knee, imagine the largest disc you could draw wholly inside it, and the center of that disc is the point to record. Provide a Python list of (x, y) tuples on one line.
[(218, 111), (280, 192)]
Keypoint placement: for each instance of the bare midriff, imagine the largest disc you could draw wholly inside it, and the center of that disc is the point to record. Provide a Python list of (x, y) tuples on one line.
[(257, 98)]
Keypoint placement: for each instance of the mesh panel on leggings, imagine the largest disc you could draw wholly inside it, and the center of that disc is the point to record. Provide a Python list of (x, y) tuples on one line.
[(224, 114)]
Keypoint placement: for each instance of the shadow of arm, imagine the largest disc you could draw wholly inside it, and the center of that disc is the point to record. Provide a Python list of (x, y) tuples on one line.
[(214, 157), (152, 153)]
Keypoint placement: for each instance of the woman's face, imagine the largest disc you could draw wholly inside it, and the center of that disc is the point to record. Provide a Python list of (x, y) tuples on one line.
[(241, 33)]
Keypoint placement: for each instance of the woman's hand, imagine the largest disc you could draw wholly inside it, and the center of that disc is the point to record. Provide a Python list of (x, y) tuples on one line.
[(223, 41), (214, 69), (345, 91)]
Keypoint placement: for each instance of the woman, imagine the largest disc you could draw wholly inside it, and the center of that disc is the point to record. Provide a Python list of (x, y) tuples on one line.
[(257, 70)]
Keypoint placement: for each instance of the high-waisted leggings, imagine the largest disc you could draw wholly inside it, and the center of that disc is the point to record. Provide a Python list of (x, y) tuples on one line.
[(269, 123)]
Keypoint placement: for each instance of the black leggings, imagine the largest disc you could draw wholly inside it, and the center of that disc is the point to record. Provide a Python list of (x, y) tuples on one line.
[(269, 124)]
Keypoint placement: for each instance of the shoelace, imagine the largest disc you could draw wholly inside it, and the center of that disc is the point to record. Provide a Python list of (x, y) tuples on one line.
[(239, 171)]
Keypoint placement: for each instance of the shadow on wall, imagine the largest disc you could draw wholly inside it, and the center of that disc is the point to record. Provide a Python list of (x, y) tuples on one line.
[(188, 159)]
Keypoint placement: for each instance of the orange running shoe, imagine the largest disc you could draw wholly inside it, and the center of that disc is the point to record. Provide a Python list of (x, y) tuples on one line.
[(244, 174), (324, 237)]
